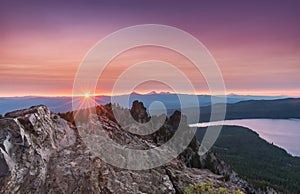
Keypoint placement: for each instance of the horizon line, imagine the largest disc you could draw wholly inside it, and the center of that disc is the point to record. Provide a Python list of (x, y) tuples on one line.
[(149, 93)]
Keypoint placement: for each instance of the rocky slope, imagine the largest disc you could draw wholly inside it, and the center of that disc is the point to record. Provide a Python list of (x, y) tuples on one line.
[(43, 153)]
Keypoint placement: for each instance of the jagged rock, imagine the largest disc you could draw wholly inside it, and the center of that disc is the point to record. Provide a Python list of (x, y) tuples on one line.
[(42, 153), (34, 135), (138, 112), (175, 119)]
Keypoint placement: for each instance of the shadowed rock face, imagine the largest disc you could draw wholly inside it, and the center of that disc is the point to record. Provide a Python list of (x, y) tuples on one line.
[(4, 170), (43, 153), (175, 119), (138, 112)]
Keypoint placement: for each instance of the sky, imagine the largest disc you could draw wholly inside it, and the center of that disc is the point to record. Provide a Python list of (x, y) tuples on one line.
[(255, 43)]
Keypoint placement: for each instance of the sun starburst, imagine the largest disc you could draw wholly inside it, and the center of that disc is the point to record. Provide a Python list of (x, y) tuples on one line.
[(87, 95)]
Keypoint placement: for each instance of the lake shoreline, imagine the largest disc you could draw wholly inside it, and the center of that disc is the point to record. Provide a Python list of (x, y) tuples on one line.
[(283, 133)]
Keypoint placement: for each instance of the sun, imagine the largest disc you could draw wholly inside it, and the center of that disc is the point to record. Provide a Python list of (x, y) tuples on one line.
[(87, 95)]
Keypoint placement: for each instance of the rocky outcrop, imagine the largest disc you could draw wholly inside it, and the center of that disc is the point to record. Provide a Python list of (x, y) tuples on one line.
[(174, 119), (43, 153), (31, 137), (138, 112)]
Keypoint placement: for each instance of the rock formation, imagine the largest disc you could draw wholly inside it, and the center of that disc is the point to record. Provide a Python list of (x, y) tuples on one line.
[(138, 112), (43, 153)]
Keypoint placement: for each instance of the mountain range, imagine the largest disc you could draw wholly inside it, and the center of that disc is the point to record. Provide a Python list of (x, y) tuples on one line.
[(170, 100)]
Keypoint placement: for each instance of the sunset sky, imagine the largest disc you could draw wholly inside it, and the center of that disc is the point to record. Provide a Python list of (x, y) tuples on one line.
[(255, 43)]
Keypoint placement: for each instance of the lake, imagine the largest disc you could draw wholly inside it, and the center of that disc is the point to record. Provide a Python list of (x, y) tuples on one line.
[(284, 133)]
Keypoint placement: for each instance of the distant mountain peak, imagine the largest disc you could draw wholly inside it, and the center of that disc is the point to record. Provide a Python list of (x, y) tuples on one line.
[(135, 93), (152, 92)]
